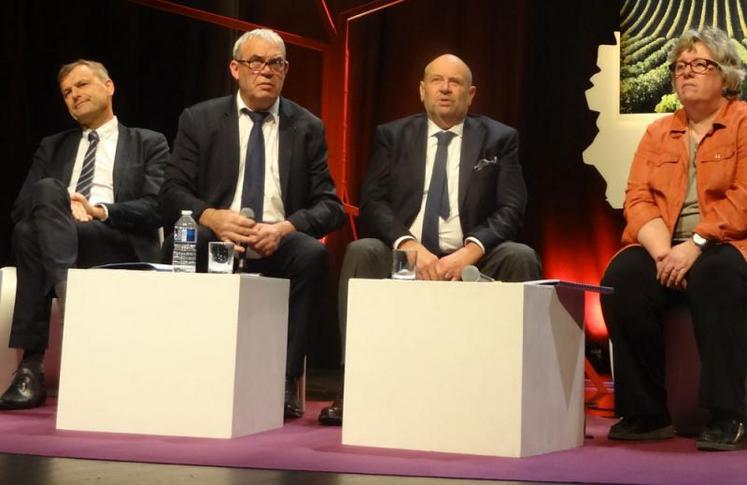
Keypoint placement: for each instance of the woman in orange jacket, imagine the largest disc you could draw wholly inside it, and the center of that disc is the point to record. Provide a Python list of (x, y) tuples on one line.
[(686, 214)]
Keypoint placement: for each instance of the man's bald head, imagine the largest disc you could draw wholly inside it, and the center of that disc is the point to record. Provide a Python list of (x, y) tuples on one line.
[(446, 90)]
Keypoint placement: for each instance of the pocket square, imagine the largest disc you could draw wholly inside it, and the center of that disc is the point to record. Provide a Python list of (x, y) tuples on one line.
[(484, 163)]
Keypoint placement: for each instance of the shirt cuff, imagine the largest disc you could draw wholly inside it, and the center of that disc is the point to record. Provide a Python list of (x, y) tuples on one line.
[(400, 240), (106, 211), (476, 241)]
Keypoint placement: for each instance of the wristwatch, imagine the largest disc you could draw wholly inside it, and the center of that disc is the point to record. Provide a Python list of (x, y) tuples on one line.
[(700, 241)]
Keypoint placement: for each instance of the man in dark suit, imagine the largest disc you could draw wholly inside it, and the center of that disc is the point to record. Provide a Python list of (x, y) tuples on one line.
[(90, 198), (259, 151), (446, 185)]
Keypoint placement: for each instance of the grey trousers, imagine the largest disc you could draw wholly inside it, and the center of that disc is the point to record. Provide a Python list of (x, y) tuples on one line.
[(371, 258)]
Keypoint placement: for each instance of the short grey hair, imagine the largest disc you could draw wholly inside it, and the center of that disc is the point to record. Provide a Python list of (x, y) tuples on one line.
[(716, 40), (98, 69), (265, 34)]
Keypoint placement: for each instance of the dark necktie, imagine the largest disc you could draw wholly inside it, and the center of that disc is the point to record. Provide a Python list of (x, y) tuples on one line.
[(437, 203), (253, 192), (85, 180)]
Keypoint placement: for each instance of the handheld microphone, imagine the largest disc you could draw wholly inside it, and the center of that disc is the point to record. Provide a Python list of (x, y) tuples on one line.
[(247, 212), (472, 274)]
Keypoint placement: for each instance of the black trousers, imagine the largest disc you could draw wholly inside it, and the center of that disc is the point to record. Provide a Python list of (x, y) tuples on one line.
[(716, 295), (46, 244), (300, 258)]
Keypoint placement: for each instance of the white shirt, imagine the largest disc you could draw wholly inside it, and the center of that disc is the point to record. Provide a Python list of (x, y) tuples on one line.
[(450, 235), (273, 210), (102, 190)]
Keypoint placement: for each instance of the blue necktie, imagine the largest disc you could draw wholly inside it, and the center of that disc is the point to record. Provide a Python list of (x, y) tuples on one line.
[(85, 180), (253, 192), (437, 203)]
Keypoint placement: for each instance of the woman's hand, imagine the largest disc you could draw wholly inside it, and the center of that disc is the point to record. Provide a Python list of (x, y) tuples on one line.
[(672, 267)]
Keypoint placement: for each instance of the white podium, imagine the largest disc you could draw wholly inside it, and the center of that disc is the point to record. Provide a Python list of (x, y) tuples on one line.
[(176, 354), (480, 368), (8, 356)]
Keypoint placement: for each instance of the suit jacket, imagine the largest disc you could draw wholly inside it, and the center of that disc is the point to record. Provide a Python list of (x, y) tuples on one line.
[(204, 166), (137, 175), (492, 193)]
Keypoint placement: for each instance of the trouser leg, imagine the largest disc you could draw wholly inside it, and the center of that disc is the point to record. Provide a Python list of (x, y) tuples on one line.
[(364, 258), (717, 295), (303, 260), (633, 314), (511, 261)]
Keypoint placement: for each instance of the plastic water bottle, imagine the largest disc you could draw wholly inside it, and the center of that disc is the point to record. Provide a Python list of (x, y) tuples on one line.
[(185, 244)]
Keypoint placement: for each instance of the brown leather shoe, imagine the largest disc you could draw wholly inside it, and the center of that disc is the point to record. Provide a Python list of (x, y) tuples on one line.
[(26, 391)]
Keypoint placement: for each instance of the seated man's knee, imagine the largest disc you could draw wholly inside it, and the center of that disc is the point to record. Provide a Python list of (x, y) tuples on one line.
[(309, 253), (512, 261), (365, 248), (366, 258), (48, 189)]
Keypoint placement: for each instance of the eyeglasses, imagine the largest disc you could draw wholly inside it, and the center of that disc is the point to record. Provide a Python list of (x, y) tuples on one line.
[(257, 64), (697, 66)]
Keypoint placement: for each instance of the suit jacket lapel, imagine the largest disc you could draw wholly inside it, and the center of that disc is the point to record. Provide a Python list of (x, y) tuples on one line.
[(67, 153), (286, 130), (416, 140), (121, 158), (229, 132), (472, 141)]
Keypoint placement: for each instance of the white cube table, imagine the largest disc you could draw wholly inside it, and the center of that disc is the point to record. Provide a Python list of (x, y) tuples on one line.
[(176, 354), (8, 356), (480, 368)]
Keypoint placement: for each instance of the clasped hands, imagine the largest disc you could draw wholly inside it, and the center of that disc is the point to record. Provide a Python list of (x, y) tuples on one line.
[(83, 211), (673, 265), (448, 268), (230, 226)]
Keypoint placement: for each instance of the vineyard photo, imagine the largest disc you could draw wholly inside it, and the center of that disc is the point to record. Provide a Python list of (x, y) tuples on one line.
[(649, 29)]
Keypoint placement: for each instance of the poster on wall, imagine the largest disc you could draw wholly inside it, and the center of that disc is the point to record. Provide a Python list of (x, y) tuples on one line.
[(649, 29)]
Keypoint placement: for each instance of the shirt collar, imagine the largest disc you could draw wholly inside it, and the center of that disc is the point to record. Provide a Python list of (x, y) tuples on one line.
[(433, 128), (680, 123), (274, 109), (105, 131)]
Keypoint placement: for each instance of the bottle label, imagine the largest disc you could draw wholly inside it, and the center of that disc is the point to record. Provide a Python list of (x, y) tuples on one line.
[(185, 235)]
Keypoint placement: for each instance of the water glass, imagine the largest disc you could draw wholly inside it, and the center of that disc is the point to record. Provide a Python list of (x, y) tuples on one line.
[(220, 257), (403, 264)]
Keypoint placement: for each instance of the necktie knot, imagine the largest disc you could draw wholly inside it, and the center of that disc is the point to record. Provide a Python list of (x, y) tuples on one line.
[(257, 116), (93, 136), (444, 137)]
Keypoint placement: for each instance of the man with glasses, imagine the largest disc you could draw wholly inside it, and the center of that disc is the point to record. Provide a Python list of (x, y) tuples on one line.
[(90, 198), (252, 168)]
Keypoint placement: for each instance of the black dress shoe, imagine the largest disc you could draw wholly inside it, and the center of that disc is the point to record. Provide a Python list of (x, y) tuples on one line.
[(332, 414), (644, 427), (26, 391), (292, 400), (722, 434)]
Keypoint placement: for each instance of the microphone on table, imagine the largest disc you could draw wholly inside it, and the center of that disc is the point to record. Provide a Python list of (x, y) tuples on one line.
[(472, 274), (247, 212)]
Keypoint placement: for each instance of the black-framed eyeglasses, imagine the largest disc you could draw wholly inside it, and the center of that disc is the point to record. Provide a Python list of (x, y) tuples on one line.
[(257, 64), (697, 66)]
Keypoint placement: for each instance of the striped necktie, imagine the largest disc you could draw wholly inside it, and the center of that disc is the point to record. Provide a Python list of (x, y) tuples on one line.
[(85, 181)]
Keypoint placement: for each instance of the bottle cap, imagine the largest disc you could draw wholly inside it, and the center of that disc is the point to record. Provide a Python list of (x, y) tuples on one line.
[(186, 213)]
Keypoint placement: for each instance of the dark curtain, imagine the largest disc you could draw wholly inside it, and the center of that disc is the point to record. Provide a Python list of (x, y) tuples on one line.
[(531, 62)]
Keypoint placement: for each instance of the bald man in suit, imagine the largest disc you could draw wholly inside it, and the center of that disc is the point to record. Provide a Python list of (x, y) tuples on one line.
[(445, 184)]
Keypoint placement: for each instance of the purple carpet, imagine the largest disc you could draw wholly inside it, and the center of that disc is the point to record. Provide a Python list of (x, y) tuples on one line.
[(304, 445)]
